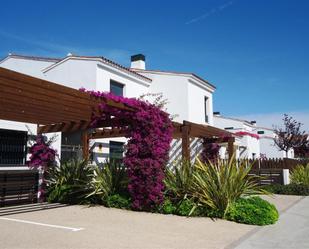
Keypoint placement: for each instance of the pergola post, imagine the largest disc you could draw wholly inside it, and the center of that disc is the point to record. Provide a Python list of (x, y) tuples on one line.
[(185, 142), (85, 143), (230, 147)]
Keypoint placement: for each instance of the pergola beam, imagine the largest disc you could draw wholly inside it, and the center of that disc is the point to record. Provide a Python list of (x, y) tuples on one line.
[(108, 133), (86, 125), (31, 100)]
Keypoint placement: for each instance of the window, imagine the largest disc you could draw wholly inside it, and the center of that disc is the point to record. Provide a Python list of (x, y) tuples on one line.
[(206, 108), (13, 146), (115, 150), (116, 88), (71, 146)]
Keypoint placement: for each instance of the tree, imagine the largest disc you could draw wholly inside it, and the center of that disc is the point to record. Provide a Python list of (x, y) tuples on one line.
[(291, 136), (302, 151)]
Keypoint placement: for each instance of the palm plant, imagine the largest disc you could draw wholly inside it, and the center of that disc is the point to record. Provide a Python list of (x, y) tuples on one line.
[(69, 182), (217, 186), (300, 175)]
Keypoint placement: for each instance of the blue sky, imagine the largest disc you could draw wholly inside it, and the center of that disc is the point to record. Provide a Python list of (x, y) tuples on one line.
[(255, 52)]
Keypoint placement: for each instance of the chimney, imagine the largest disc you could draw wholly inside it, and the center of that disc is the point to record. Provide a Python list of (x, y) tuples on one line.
[(138, 61)]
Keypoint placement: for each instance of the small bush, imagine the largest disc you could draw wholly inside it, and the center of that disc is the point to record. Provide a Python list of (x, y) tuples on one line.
[(300, 175), (118, 201), (290, 189), (168, 207), (186, 208), (253, 211)]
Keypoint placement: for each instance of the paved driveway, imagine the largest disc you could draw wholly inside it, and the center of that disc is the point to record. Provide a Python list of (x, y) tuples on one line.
[(292, 231), (99, 227)]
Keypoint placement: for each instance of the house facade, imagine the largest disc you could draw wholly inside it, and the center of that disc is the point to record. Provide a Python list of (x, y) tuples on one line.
[(189, 96), (252, 141)]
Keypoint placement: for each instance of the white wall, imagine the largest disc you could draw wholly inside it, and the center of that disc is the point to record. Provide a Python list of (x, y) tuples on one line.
[(175, 90), (247, 145), (18, 126), (29, 67), (263, 147), (196, 104), (74, 73), (132, 87), (185, 95), (268, 147)]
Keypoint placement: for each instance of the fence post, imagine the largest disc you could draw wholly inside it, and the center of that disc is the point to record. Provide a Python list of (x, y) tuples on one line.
[(286, 176)]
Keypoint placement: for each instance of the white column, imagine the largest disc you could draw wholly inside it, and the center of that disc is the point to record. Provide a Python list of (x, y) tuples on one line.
[(286, 176)]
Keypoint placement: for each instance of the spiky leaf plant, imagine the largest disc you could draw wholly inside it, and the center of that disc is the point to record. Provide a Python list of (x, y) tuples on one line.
[(217, 186), (69, 182), (108, 180), (178, 180)]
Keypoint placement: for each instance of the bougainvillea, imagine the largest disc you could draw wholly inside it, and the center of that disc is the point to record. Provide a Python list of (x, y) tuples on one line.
[(210, 151), (42, 155), (149, 133), (245, 133)]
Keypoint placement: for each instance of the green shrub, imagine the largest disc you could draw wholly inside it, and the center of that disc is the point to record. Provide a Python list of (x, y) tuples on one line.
[(217, 186), (168, 207), (118, 201), (253, 211), (186, 208), (178, 180), (290, 189), (70, 182), (300, 175)]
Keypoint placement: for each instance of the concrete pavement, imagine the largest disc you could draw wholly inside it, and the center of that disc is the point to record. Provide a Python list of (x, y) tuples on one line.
[(99, 227), (291, 231)]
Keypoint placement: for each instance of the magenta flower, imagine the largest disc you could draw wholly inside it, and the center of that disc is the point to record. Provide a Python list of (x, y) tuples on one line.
[(150, 134)]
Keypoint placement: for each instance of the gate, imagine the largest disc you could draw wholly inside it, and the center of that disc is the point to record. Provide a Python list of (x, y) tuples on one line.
[(18, 187)]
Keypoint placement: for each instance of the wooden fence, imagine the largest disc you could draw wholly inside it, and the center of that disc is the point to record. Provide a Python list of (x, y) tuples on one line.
[(282, 163), (18, 187), (271, 170), (268, 176)]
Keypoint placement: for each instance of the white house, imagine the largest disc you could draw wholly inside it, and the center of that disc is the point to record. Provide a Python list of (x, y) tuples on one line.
[(189, 96), (253, 141)]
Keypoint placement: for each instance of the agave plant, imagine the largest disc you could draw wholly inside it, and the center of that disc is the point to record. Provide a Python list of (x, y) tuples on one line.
[(300, 175), (217, 186), (108, 180), (178, 180), (69, 182)]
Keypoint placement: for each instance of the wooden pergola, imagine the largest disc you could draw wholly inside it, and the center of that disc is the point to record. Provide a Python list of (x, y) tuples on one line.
[(188, 130), (53, 107), (56, 108)]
